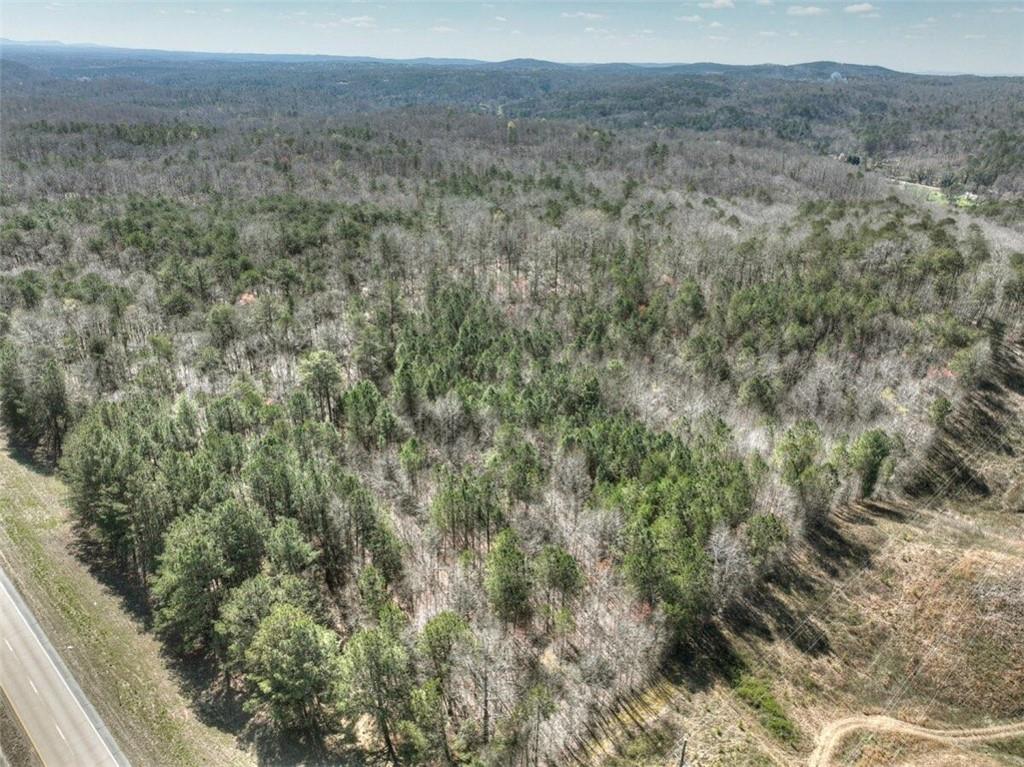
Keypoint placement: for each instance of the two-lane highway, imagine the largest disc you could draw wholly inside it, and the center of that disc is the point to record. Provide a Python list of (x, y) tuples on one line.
[(59, 720)]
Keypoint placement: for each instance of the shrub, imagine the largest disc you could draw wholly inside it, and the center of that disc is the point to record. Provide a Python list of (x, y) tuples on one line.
[(756, 693), (867, 455), (767, 537), (971, 364), (939, 411), (799, 456)]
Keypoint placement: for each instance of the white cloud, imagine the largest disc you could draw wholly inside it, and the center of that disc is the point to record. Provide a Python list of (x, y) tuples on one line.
[(717, 38), (442, 30), (974, 37), (689, 19), (804, 10), (762, 2), (859, 8), (718, 4), (715, 25), (363, 22), (582, 15), (502, 19), (768, 33)]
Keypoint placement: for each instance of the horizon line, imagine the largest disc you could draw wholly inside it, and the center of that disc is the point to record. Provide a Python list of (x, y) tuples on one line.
[(473, 60)]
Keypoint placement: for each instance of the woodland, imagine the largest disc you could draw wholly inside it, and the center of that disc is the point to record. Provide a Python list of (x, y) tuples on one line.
[(433, 413)]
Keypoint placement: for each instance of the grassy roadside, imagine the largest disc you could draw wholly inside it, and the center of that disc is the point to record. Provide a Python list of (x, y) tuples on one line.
[(118, 665)]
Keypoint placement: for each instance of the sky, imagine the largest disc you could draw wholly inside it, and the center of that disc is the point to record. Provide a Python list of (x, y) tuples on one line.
[(910, 35)]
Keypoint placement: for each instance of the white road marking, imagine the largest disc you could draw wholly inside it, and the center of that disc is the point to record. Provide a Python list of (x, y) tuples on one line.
[(33, 687), (8, 645), (59, 674), (60, 733)]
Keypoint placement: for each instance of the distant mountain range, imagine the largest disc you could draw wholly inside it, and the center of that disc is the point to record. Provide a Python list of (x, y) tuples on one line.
[(806, 71)]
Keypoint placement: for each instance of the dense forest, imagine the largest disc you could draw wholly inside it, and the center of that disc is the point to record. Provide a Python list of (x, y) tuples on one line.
[(435, 427)]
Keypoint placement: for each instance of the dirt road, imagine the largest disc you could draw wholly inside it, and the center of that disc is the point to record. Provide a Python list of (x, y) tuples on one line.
[(831, 736)]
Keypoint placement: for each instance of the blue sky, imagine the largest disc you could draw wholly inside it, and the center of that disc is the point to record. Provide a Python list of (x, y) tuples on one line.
[(910, 35)]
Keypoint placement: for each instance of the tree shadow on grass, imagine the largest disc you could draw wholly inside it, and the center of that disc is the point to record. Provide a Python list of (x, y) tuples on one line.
[(709, 658), (131, 594), (219, 704), (767, 617), (765, 614), (835, 553), (713, 655), (22, 455), (276, 748), (85, 548)]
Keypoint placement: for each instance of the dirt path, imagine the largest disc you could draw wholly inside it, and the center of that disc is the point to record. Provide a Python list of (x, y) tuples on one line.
[(833, 733)]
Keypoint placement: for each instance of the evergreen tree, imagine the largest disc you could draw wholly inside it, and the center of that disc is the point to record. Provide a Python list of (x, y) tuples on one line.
[(288, 550), (190, 583), (367, 415), (463, 506), (52, 409), (867, 455), (799, 455), (293, 667), (507, 581), (437, 643), (14, 405), (429, 724), (376, 680), (558, 573), (252, 601), (205, 554), (321, 374)]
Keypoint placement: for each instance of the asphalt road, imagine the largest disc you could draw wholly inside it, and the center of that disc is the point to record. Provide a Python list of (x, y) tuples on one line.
[(54, 712)]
